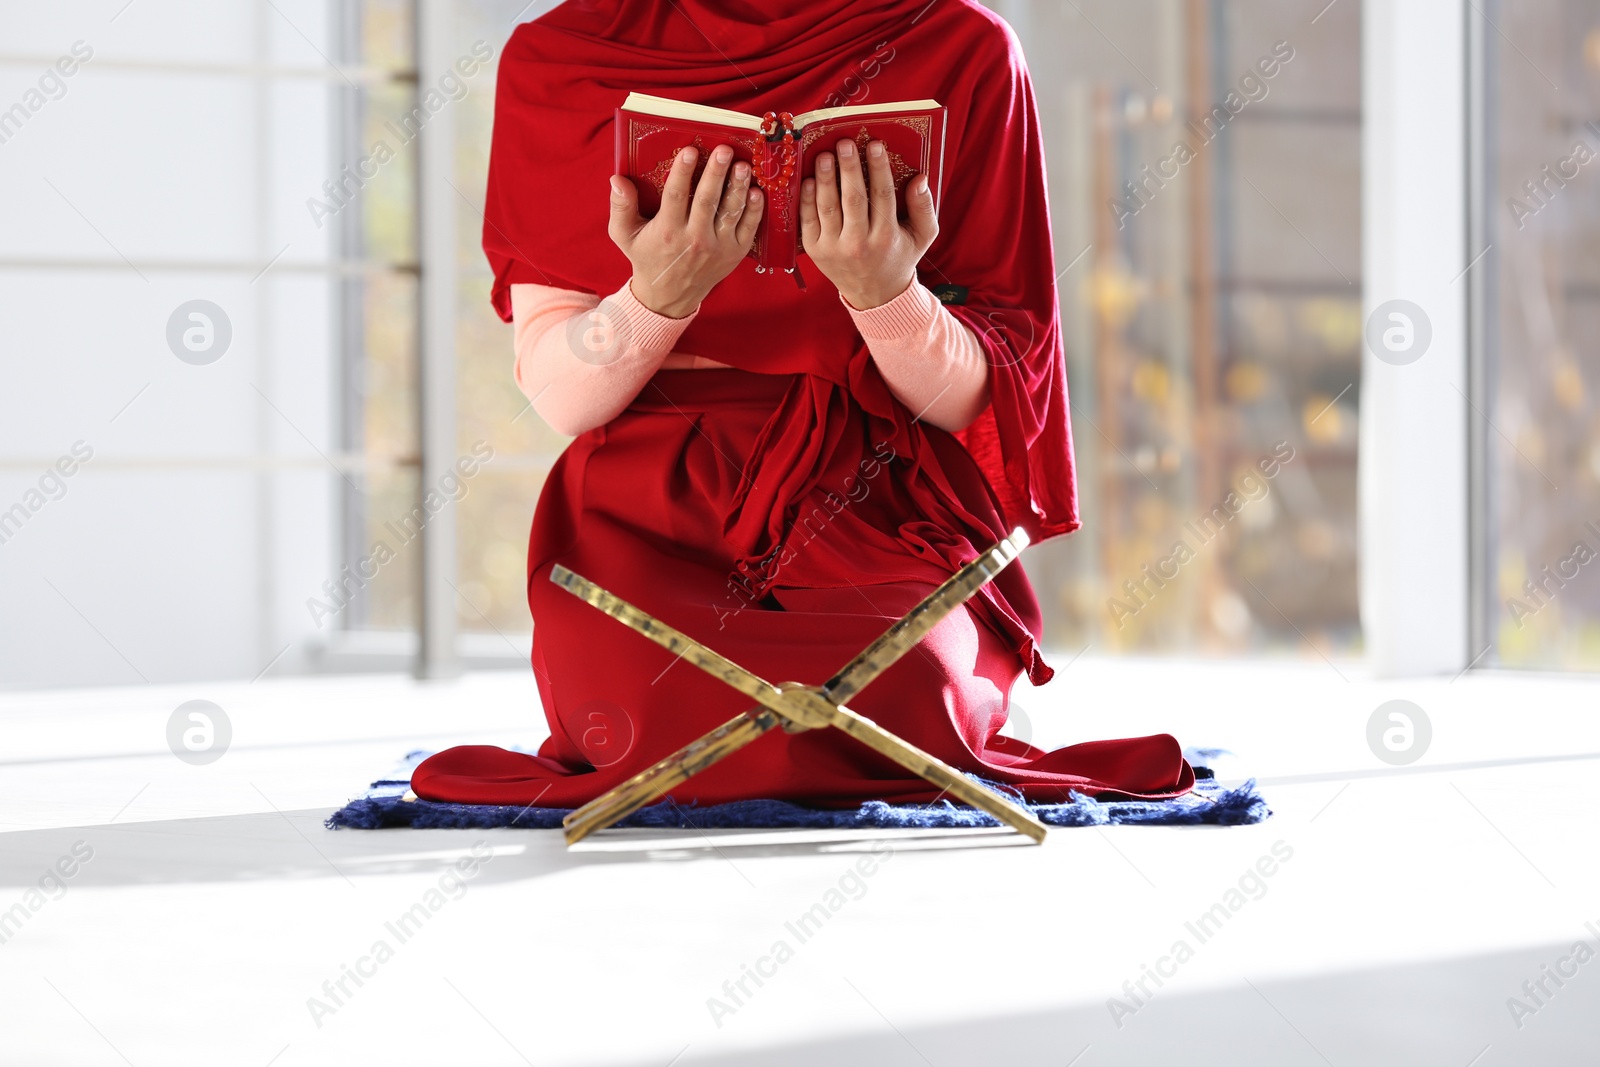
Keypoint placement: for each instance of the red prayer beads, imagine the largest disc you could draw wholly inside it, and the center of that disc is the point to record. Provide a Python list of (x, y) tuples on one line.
[(775, 159), (784, 152)]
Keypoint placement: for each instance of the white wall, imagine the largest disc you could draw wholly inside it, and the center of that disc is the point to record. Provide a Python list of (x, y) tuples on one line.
[(185, 549), (1413, 476)]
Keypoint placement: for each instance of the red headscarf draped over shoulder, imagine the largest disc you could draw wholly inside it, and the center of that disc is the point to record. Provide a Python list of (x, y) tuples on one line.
[(562, 76)]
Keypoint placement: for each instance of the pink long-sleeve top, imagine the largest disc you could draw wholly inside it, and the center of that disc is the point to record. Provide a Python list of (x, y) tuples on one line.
[(930, 359)]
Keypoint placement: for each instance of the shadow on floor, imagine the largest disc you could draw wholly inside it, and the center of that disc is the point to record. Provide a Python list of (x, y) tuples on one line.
[(1449, 1013), (295, 845)]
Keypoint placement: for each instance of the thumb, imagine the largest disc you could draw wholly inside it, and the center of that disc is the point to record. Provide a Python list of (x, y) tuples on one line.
[(625, 220), (921, 218)]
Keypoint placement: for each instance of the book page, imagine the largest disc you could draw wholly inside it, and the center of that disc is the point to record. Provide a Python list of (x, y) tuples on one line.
[(850, 111), (645, 104)]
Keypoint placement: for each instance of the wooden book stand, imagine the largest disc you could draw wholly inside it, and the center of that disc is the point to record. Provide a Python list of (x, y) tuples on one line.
[(798, 707)]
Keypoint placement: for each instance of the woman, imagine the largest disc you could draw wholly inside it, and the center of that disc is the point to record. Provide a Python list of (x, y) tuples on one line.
[(780, 471)]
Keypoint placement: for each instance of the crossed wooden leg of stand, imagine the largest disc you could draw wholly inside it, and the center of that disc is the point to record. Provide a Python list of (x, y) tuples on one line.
[(797, 707)]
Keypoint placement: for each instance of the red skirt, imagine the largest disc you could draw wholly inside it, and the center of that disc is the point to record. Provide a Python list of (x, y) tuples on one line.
[(649, 507)]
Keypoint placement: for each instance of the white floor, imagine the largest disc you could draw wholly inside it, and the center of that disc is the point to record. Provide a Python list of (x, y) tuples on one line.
[(1414, 902)]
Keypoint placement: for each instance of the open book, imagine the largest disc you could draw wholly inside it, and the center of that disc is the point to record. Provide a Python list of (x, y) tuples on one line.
[(652, 130)]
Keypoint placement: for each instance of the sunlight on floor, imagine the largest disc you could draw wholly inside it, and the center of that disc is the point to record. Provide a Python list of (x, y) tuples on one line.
[(1385, 915)]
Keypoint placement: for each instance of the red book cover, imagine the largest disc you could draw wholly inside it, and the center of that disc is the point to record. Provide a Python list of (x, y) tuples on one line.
[(652, 130)]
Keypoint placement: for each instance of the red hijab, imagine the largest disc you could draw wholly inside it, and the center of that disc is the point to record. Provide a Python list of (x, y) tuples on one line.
[(562, 75)]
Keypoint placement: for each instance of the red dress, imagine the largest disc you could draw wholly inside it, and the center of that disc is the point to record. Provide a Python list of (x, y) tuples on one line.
[(786, 511)]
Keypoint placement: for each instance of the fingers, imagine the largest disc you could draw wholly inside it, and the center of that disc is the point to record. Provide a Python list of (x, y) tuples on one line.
[(810, 227), (922, 220), (708, 194), (733, 199), (675, 195), (852, 192), (882, 188), (755, 206), (625, 219), (829, 219)]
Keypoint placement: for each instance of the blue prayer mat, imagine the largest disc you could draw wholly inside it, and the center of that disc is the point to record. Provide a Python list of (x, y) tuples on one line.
[(382, 806)]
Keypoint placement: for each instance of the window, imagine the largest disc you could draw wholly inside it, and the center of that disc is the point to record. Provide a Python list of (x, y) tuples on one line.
[(508, 448), (1204, 163), (1539, 437)]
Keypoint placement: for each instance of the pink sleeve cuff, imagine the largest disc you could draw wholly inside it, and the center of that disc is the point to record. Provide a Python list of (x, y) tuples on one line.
[(649, 331), (932, 362), (911, 314)]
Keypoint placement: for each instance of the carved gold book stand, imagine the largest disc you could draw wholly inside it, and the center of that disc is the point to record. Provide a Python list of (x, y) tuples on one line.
[(797, 707)]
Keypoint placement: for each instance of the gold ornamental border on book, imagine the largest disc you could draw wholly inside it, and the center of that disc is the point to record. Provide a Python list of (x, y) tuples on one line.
[(657, 176), (898, 166)]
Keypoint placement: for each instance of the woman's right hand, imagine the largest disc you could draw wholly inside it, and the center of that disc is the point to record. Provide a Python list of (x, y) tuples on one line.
[(695, 240)]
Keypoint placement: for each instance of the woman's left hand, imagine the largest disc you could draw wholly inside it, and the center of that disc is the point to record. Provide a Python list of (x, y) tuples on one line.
[(851, 232)]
